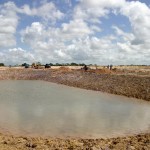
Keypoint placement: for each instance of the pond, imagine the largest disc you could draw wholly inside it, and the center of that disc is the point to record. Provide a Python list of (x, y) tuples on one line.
[(40, 108)]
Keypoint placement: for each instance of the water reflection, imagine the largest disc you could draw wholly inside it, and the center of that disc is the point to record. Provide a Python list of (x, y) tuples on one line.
[(47, 109)]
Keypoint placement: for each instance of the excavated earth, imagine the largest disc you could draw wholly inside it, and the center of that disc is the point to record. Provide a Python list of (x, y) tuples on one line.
[(110, 82)]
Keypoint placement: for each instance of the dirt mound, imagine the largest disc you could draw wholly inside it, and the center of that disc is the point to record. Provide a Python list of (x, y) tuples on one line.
[(101, 71), (65, 69)]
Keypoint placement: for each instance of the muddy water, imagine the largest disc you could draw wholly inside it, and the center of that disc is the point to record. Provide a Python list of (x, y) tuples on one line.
[(39, 108)]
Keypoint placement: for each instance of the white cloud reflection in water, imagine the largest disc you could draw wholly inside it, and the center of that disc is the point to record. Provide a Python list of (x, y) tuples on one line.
[(47, 109)]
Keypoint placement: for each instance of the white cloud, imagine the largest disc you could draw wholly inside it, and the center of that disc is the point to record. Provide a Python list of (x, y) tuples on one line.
[(102, 3), (8, 24), (123, 36), (90, 14), (71, 42), (37, 32), (17, 56), (79, 37), (76, 40), (46, 11), (75, 28), (139, 16), (33, 34), (93, 10)]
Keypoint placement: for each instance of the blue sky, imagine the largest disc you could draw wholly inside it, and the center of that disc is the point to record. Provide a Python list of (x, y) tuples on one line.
[(82, 31)]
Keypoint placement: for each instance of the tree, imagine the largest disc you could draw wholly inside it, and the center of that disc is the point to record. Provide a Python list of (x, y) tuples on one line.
[(38, 64), (73, 64), (24, 64), (57, 64), (51, 64), (82, 64), (2, 64)]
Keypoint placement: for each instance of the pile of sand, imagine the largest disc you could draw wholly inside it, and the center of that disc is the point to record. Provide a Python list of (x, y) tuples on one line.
[(101, 71), (64, 69)]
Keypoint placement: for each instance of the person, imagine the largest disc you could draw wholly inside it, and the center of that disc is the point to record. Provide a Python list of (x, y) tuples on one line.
[(108, 67), (85, 68), (111, 67)]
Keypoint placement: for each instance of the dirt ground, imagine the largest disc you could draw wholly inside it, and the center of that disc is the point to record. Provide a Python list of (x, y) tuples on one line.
[(135, 84), (136, 142)]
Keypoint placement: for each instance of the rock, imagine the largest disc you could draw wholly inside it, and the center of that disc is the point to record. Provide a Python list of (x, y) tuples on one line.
[(34, 145), (132, 147), (5, 142), (94, 148), (31, 145)]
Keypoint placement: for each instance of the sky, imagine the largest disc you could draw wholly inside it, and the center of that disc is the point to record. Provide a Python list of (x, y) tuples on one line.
[(83, 31)]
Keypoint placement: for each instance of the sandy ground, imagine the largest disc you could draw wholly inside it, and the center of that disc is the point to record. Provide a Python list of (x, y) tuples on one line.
[(116, 82), (136, 142)]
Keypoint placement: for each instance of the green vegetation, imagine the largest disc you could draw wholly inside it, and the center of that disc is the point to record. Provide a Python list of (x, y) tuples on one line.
[(66, 64), (2, 64), (24, 64)]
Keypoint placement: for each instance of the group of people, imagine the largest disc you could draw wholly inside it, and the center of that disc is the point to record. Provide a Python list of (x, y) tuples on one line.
[(110, 67)]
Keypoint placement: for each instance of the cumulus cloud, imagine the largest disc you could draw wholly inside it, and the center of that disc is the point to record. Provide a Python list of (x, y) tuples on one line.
[(33, 34), (92, 10), (90, 14), (102, 3), (76, 40), (76, 28), (46, 11), (80, 36), (9, 19), (139, 16), (37, 32), (17, 56), (8, 24), (68, 43)]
